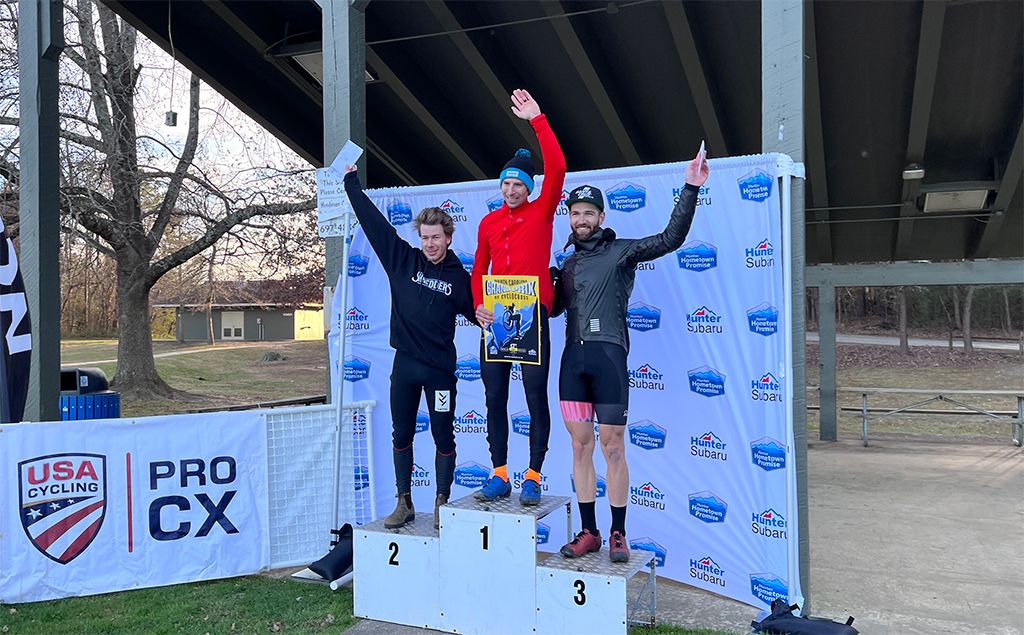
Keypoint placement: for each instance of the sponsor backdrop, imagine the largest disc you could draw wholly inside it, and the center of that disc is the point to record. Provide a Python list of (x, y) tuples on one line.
[(708, 434), (115, 505)]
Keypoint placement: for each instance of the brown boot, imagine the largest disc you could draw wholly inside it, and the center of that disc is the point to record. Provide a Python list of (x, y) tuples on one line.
[(404, 513), (440, 500)]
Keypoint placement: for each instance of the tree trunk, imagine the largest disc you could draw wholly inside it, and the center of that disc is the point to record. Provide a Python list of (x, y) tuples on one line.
[(966, 324), (904, 340), (210, 339), (1006, 308), (136, 369), (957, 322)]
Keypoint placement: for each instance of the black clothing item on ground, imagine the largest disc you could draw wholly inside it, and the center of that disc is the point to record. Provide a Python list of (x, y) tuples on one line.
[(496, 377), (618, 520), (425, 297), (595, 373), (588, 516), (597, 279), (409, 379)]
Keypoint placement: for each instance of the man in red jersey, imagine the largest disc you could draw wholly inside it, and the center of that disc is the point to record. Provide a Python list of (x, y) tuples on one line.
[(515, 239)]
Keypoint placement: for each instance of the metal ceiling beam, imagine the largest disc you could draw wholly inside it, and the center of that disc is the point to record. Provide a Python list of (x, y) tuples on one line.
[(897, 274), (933, 14), (480, 66), (815, 138), (581, 61), (390, 163), (1007, 189), (421, 112), (686, 48)]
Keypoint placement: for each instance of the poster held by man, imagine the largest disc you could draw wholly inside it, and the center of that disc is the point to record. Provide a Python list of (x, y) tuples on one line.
[(514, 336)]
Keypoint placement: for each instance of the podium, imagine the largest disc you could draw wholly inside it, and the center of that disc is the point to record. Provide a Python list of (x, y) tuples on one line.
[(479, 575)]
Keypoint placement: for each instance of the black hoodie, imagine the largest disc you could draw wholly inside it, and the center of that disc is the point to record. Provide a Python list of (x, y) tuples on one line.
[(425, 297)]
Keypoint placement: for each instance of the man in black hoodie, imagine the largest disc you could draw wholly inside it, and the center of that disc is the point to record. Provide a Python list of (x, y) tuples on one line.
[(429, 288)]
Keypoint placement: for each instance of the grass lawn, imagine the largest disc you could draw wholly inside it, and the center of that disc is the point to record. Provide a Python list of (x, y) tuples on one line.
[(77, 351)]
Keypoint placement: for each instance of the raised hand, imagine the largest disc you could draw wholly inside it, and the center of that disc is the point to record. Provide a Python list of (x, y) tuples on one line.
[(697, 171), (350, 168), (523, 105)]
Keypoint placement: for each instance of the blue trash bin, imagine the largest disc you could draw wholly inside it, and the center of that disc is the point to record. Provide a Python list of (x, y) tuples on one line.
[(85, 395)]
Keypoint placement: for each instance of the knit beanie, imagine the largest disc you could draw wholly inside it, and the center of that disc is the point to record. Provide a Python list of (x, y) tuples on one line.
[(519, 167)]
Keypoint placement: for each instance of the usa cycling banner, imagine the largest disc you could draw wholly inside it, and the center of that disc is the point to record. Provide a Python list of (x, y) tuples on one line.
[(121, 504), (712, 477), (514, 336)]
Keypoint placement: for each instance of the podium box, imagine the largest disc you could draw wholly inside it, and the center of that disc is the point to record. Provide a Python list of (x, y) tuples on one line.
[(396, 573)]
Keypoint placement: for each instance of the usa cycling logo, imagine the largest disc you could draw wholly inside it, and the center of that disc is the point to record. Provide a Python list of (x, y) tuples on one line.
[(704, 321), (647, 495), (769, 523), (543, 533), (456, 211), (399, 212), (362, 477), (602, 485), (760, 256), (708, 446), (560, 256), (420, 476), (647, 435), (627, 197), (519, 477), (466, 259), (643, 317), (357, 264), (707, 382), (422, 421), (356, 368), (755, 186), (648, 544), (495, 203), (767, 388), (521, 423), (62, 502), (471, 422), (646, 377), (763, 319), (768, 454), (356, 320), (471, 474), (467, 368), (708, 507), (707, 570), (697, 255), (768, 587)]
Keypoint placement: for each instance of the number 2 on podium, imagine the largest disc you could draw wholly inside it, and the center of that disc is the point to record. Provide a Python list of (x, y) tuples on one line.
[(393, 560)]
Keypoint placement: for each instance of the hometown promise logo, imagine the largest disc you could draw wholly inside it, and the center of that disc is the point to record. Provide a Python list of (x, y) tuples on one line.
[(708, 446), (399, 212), (467, 368), (602, 485), (521, 422), (648, 544), (422, 421), (495, 203), (647, 435), (763, 319), (643, 317), (768, 454), (543, 533), (760, 256), (471, 474), (755, 186), (357, 264), (356, 368), (707, 570), (560, 256), (627, 197), (767, 587), (707, 382), (704, 321), (466, 259), (647, 495), (697, 255), (708, 507)]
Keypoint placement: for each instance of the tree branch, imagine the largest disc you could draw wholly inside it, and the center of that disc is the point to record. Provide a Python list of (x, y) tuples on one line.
[(156, 232)]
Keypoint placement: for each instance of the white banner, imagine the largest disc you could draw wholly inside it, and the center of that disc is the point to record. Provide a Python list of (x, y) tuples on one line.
[(709, 438), (107, 505)]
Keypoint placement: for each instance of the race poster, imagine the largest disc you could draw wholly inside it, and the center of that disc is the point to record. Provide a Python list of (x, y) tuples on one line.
[(514, 336)]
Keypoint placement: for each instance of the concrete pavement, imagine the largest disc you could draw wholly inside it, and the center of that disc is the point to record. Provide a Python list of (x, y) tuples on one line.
[(920, 342)]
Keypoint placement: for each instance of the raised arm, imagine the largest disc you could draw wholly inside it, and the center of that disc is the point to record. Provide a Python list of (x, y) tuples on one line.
[(525, 107), (390, 249)]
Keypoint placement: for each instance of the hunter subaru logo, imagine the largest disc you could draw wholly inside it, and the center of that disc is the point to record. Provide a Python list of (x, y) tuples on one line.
[(602, 485), (466, 259), (697, 255), (707, 570), (707, 382), (356, 368), (399, 212), (494, 203), (643, 317), (647, 544), (357, 264), (471, 422), (647, 435), (563, 209), (768, 454), (62, 502), (467, 368), (760, 255), (521, 422), (647, 495), (708, 446), (518, 478), (756, 186), (422, 421), (766, 388), (456, 211), (708, 507), (769, 523), (356, 320), (471, 474), (560, 256), (768, 587), (362, 477), (543, 533), (763, 319), (627, 197), (704, 321), (646, 377), (420, 476)]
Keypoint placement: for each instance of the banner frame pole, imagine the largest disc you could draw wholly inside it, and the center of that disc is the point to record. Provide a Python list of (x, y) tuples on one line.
[(340, 382)]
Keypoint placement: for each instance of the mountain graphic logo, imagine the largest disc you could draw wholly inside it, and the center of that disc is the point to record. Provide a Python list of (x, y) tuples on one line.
[(602, 485), (422, 421), (494, 203), (543, 533), (647, 435), (467, 368), (471, 474), (466, 259), (763, 319), (560, 256), (648, 544), (627, 197), (708, 507), (706, 381), (755, 186), (643, 317), (357, 264), (697, 255), (768, 454), (356, 368), (521, 422), (399, 212), (768, 587)]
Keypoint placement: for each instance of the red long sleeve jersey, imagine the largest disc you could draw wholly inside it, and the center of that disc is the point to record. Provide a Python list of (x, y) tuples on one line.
[(518, 241)]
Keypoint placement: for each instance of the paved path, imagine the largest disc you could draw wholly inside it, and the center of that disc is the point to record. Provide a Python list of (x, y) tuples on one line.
[(887, 340), (187, 351)]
